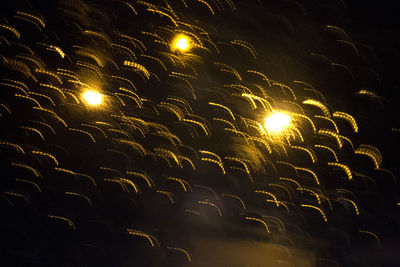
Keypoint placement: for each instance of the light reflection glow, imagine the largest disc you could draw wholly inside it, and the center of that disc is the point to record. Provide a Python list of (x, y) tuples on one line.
[(92, 97), (277, 122), (181, 43)]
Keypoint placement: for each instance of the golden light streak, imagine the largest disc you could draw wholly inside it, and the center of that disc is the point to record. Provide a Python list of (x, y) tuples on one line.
[(343, 167), (123, 186), (11, 29), (316, 208), (330, 120), (329, 149), (183, 251), (348, 118), (216, 162), (259, 220), (236, 197), (27, 167), (246, 46), (285, 87), (312, 192), (88, 177), (309, 171), (228, 69), (64, 170), (33, 17), (29, 182), (209, 7), (318, 104), (142, 234), (131, 184), (284, 188), (306, 118), (269, 194), (16, 87), (45, 154), (212, 205), (70, 223), (145, 177), (372, 234), (168, 194), (244, 165), (181, 182), (17, 195), (84, 132), (33, 130), (16, 147), (80, 195), (291, 180), (202, 125), (331, 133), (29, 98), (223, 107), (372, 152), (352, 202), (309, 151)]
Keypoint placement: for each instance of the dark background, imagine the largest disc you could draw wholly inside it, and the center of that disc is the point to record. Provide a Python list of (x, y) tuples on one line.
[(30, 238)]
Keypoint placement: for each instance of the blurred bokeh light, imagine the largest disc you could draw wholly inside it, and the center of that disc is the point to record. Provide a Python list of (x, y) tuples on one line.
[(181, 43), (92, 97), (277, 122)]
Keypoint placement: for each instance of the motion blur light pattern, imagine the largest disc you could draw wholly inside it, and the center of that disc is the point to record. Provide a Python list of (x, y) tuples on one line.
[(92, 97), (277, 122), (182, 167)]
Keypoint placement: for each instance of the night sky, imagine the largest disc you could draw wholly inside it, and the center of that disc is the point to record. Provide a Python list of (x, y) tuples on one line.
[(177, 164)]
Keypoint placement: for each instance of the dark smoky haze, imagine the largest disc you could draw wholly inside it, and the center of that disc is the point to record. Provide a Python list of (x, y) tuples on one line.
[(199, 133)]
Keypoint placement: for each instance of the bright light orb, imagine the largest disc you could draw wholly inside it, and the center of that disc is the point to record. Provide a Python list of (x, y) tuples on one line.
[(93, 98), (277, 122), (181, 43)]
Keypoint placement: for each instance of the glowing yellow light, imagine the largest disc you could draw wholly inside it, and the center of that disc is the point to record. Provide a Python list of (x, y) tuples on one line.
[(181, 43), (93, 98), (277, 122)]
